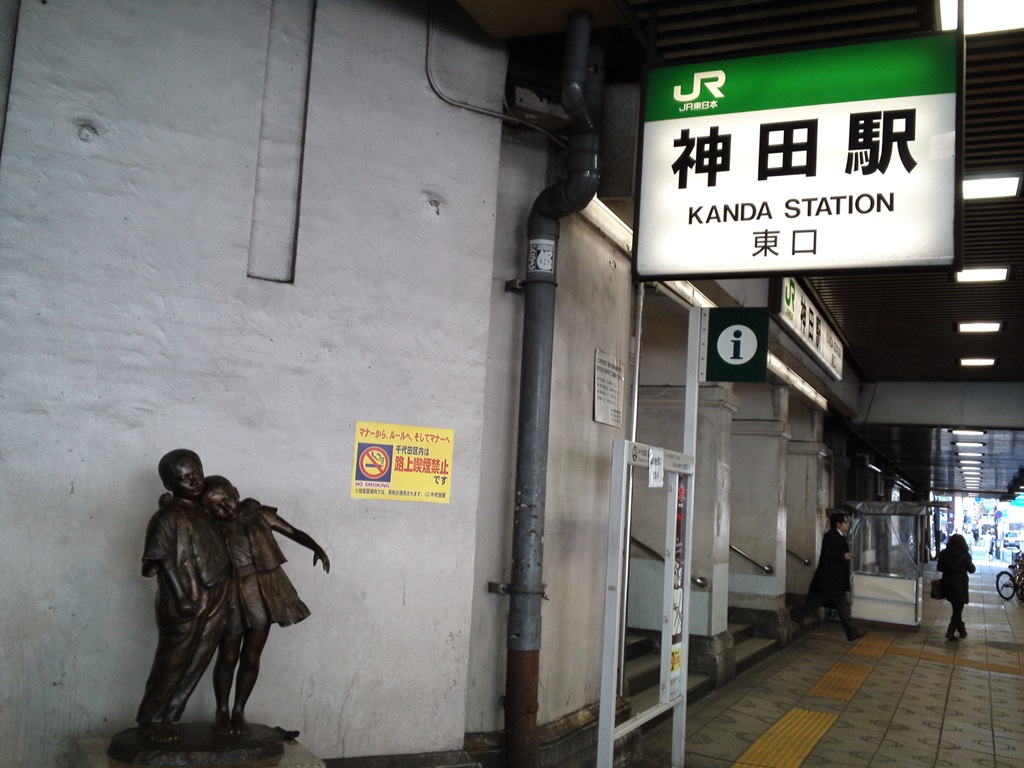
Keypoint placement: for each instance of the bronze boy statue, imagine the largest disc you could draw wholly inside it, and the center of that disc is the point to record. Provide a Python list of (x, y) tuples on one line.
[(185, 551)]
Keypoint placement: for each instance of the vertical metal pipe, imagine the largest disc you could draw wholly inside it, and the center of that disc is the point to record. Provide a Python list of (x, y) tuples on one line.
[(526, 587), (581, 96), (633, 411)]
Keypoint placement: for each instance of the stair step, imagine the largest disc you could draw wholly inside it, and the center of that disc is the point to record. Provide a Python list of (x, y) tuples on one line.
[(639, 644), (643, 672), (697, 685), (740, 632), (752, 650)]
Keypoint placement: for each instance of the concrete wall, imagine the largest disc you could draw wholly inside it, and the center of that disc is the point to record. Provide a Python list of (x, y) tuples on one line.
[(147, 147), (592, 312), (129, 327)]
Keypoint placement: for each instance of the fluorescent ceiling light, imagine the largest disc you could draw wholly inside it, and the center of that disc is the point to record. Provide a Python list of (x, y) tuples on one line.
[(967, 431), (979, 327), (977, 361), (965, 453), (970, 461), (1001, 185), (982, 275), (982, 16), (968, 445)]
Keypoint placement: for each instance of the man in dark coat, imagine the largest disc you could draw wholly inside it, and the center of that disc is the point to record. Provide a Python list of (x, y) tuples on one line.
[(831, 579)]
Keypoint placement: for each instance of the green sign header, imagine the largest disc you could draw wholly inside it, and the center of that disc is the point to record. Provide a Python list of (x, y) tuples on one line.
[(917, 66)]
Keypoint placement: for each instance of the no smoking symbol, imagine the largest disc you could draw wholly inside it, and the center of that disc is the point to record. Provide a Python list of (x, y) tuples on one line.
[(374, 463)]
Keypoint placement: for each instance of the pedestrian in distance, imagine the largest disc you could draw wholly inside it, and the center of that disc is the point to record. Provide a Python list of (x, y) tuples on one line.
[(954, 564), (831, 579)]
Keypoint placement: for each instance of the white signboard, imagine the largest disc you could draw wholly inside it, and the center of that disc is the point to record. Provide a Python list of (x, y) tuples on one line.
[(609, 389), (810, 161), (801, 316)]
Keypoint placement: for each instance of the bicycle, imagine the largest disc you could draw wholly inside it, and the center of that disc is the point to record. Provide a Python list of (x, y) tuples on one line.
[(1011, 582)]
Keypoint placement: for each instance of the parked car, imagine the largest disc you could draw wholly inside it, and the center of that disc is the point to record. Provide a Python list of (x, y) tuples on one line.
[(1011, 540)]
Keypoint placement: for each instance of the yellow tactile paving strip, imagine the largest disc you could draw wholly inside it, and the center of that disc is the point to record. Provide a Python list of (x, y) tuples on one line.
[(873, 646), (787, 743), (842, 681), (949, 658)]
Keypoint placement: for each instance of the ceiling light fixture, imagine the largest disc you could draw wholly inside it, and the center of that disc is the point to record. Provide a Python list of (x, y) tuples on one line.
[(977, 361), (964, 453), (982, 275), (970, 461), (967, 431), (982, 16), (995, 185), (979, 327), (959, 444)]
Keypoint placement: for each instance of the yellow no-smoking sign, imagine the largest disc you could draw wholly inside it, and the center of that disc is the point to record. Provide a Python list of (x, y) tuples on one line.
[(401, 462)]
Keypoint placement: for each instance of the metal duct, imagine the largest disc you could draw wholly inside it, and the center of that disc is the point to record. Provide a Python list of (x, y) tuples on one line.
[(582, 86)]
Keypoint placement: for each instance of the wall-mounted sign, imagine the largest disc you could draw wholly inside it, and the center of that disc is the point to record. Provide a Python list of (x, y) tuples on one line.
[(799, 314), (837, 158), (396, 462), (734, 344), (609, 388)]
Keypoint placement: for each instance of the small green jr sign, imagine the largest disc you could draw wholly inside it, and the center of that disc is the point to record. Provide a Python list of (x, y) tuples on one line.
[(734, 344)]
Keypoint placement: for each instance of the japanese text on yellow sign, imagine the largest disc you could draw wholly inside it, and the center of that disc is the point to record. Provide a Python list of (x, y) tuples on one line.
[(396, 462)]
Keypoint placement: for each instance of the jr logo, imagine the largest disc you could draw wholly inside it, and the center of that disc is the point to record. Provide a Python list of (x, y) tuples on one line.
[(713, 81)]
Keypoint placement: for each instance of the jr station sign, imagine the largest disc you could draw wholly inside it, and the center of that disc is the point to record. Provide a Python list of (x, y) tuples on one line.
[(839, 158)]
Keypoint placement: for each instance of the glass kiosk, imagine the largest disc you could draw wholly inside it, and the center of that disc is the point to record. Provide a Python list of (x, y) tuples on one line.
[(885, 540)]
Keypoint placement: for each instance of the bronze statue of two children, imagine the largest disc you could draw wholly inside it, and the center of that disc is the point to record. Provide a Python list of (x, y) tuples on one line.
[(220, 587)]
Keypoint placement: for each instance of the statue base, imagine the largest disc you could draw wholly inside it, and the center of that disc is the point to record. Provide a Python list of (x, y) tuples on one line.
[(198, 746)]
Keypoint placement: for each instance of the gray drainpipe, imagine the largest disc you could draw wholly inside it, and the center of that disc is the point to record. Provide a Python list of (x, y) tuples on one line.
[(582, 86)]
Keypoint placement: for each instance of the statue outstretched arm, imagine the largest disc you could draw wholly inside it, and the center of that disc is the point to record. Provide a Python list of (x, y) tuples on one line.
[(301, 537)]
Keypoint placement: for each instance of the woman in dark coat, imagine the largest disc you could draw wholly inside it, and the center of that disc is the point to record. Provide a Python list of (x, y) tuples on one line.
[(955, 563)]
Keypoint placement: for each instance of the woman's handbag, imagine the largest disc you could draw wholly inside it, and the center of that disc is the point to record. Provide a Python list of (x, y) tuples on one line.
[(937, 590)]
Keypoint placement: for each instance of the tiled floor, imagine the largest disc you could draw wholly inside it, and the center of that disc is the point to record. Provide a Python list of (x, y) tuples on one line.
[(899, 698)]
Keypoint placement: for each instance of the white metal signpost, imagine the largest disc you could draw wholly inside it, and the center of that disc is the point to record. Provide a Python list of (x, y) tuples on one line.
[(676, 575), (837, 158), (675, 475)]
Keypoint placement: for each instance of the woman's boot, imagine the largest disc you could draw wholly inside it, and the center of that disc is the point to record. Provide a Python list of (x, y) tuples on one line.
[(949, 632), (962, 630)]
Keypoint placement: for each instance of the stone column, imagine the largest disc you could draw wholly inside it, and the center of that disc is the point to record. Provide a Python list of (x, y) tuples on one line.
[(711, 651), (808, 491), (760, 434)]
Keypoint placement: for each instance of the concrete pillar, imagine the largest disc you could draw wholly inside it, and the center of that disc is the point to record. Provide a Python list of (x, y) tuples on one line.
[(808, 490), (760, 435), (711, 651)]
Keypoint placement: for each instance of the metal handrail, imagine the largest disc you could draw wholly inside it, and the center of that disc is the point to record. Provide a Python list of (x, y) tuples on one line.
[(700, 581), (803, 560), (766, 568)]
